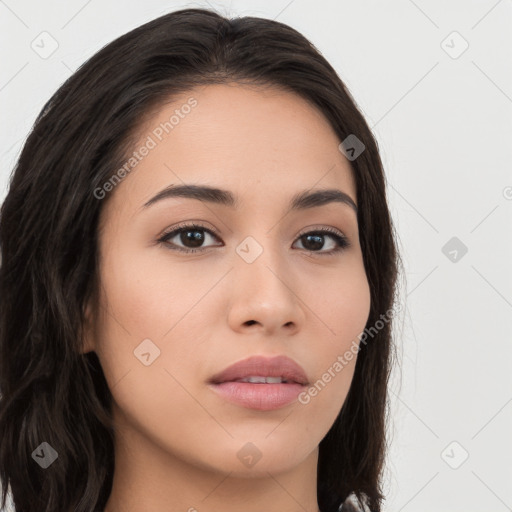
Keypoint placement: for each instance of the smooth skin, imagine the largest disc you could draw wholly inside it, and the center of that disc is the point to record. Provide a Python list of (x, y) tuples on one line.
[(177, 442)]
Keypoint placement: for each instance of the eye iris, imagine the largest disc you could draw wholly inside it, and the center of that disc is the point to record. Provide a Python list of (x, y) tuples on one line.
[(318, 241), (197, 239)]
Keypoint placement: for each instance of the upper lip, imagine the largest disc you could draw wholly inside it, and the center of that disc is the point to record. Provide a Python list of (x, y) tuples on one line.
[(278, 366)]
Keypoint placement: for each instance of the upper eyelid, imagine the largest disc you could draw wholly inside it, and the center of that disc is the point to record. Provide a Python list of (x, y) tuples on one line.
[(188, 225)]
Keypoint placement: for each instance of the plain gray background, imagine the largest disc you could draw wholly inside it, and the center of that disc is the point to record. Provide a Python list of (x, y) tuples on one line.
[(434, 81)]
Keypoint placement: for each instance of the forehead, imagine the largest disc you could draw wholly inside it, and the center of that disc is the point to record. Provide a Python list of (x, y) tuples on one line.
[(260, 141)]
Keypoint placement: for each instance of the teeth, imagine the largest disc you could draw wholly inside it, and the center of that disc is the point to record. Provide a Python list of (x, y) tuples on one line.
[(262, 380), (274, 380)]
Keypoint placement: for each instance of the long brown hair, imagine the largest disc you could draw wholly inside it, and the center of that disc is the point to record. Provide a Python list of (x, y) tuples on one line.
[(52, 393)]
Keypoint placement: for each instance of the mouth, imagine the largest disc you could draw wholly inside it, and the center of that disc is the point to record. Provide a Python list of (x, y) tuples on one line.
[(260, 383)]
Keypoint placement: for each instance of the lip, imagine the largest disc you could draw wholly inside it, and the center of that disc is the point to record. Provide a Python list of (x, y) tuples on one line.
[(258, 396), (277, 366)]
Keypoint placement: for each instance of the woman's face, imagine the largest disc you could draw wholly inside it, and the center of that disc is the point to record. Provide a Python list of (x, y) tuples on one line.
[(169, 321)]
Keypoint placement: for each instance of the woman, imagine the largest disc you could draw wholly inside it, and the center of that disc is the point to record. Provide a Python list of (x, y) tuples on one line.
[(197, 281)]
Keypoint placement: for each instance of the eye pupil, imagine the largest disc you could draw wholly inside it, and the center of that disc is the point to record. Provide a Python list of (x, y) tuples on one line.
[(197, 239), (318, 241)]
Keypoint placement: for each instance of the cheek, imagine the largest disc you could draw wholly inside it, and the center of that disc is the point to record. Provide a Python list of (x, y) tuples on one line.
[(343, 309), (342, 306), (150, 297), (157, 309), (150, 311)]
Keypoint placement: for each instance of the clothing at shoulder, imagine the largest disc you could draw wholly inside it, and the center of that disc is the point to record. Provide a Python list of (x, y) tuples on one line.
[(351, 504)]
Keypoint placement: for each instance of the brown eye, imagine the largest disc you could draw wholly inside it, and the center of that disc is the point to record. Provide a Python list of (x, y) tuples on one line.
[(192, 237), (314, 241)]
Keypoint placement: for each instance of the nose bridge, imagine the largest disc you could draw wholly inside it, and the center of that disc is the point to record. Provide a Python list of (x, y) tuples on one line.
[(261, 256), (263, 290)]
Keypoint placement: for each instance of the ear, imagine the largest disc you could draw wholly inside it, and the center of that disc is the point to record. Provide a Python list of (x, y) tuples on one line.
[(88, 342)]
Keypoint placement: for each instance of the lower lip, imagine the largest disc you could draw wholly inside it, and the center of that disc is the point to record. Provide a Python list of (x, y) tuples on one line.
[(262, 397)]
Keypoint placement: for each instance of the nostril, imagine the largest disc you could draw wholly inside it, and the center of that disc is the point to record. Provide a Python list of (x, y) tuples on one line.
[(250, 322)]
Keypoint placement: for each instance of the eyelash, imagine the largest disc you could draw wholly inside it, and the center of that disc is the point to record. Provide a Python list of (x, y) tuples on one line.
[(341, 241)]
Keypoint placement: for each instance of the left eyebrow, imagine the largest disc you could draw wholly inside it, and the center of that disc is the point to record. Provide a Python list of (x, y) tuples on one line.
[(300, 201)]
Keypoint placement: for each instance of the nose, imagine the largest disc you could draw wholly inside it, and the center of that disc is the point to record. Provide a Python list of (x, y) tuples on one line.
[(264, 297)]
